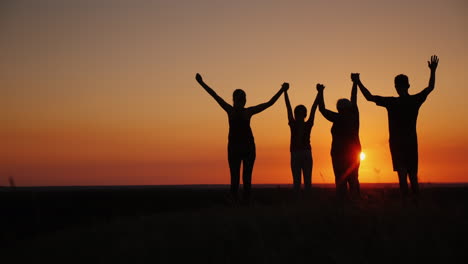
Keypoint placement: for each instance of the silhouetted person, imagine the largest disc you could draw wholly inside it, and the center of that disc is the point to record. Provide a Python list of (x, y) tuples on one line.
[(346, 146), (241, 144), (301, 152), (402, 117)]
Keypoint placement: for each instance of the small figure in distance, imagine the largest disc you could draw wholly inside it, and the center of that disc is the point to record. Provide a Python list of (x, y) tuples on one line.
[(301, 151), (346, 146), (241, 144), (402, 118)]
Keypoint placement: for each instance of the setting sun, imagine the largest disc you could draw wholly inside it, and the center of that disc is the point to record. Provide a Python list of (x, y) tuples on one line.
[(362, 156)]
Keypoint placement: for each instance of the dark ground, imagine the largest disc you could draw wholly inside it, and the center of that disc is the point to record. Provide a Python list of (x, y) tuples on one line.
[(200, 225)]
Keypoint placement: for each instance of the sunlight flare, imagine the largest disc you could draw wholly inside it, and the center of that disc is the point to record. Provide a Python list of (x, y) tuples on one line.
[(362, 156)]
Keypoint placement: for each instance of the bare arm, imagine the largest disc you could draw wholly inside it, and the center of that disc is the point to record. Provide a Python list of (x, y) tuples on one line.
[(227, 107), (259, 108), (432, 64), (288, 107), (354, 78), (329, 115), (313, 109), (364, 91)]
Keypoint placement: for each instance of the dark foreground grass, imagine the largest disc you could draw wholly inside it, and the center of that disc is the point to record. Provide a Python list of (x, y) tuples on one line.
[(200, 226)]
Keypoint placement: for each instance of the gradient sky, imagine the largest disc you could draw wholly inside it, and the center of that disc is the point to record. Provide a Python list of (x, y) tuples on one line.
[(103, 92)]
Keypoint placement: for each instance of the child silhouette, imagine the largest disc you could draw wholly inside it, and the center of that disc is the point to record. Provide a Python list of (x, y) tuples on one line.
[(301, 151)]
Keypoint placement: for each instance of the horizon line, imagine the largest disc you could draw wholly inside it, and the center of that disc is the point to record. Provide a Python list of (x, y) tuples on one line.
[(218, 185)]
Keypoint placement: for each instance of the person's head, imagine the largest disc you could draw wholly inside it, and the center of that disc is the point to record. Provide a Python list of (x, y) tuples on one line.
[(343, 105), (402, 84), (300, 112), (239, 98)]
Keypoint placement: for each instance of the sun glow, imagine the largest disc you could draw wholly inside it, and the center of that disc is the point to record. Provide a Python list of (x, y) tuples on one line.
[(362, 156)]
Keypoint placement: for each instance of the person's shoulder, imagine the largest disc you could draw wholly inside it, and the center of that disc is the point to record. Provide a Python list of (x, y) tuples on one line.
[(409, 99), (384, 100), (391, 98), (418, 96), (355, 111)]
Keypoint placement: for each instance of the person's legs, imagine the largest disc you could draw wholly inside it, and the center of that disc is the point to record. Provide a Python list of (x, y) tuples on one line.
[(353, 181), (340, 180), (296, 170), (412, 165), (307, 170), (234, 167), (402, 174), (413, 176), (248, 165), (399, 151), (340, 183)]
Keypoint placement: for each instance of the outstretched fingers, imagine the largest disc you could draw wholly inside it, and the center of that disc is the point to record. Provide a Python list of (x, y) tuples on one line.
[(433, 62)]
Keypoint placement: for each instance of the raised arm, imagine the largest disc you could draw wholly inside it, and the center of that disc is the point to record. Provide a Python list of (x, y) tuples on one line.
[(313, 109), (227, 107), (259, 108), (354, 78), (329, 115), (432, 64), (364, 91), (288, 107)]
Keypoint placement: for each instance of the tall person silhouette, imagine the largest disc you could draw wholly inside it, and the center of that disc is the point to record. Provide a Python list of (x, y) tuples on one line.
[(241, 144), (346, 146), (301, 151), (402, 118)]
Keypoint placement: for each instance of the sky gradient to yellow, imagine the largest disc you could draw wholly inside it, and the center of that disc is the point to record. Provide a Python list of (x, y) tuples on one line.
[(103, 92)]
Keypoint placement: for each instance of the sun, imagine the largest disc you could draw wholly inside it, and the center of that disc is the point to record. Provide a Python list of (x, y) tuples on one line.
[(362, 156)]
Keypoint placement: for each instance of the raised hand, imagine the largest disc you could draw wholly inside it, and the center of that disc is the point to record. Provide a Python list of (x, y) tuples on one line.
[(285, 87), (320, 87), (433, 62), (355, 77), (198, 78)]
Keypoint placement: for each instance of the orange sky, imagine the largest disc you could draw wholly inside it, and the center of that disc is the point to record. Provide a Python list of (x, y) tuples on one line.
[(104, 93)]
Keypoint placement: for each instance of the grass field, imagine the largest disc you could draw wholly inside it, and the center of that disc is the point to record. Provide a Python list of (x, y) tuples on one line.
[(168, 225)]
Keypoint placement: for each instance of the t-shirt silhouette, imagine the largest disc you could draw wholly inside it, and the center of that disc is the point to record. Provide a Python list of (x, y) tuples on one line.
[(240, 134), (300, 135), (345, 134), (402, 118)]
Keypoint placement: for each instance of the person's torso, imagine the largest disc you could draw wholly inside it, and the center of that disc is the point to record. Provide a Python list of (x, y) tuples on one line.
[(345, 132), (402, 117), (240, 132), (300, 136)]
